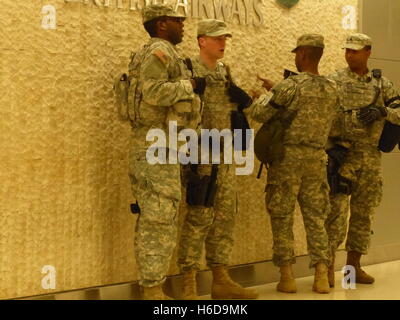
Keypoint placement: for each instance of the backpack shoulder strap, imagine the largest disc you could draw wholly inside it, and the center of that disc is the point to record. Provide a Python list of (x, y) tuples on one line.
[(228, 71), (189, 65)]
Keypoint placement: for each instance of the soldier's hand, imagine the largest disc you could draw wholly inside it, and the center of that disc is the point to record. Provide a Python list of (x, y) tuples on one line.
[(368, 115), (239, 96), (254, 94), (267, 84), (199, 85)]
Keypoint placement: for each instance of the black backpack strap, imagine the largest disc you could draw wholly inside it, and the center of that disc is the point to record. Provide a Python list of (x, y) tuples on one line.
[(193, 167), (390, 101), (377, 73), (189, 65), (228, 72), (214, 172), (260, 170)]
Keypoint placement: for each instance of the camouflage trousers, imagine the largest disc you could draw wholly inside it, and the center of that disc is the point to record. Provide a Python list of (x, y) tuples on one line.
[(336, 223), (304, 181), (212, 227), (157, 189), (363, 168)]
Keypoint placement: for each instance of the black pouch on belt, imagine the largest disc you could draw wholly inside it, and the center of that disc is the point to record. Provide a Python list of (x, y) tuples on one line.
[(201, 191)]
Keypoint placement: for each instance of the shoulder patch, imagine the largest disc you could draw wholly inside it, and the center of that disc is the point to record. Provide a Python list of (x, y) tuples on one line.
[(284, 92), (286, 84), (162, 56)]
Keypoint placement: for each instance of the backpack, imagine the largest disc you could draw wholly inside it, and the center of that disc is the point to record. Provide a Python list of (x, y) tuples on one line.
[(127, 94), (268, 142), (390, 136)]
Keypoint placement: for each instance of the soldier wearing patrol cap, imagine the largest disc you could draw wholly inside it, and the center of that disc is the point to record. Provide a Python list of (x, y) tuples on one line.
[(306, 104), (369, 100), (162, 81), (213, 226)]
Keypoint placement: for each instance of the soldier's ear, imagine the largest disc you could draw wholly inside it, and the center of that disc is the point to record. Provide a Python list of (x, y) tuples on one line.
[(202, 41), (161, 25), (303, 53)]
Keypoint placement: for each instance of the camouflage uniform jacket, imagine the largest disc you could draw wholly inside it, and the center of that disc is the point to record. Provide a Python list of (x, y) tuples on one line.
[(216, 105), (164, 80), (359, 91), (311, 101)]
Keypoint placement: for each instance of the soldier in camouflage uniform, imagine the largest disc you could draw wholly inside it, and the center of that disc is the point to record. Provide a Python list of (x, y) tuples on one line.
[(163, 81), (213, 226), (361, 128), (311, 102)]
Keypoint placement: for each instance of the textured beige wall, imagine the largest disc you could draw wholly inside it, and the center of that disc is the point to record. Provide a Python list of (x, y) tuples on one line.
[(64, 188)]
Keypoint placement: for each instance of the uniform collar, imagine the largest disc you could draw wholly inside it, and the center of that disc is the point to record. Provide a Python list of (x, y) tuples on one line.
[(217, 68), (365, 78), (155, 39), (310, 74)]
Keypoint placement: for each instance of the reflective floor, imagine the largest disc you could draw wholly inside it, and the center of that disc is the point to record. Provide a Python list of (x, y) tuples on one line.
[(386, 287)]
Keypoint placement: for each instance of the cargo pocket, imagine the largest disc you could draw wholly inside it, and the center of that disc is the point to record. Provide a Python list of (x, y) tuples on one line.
[(163, 179), (279, 199)]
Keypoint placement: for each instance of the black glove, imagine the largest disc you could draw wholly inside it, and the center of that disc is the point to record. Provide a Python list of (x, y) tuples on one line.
[(368, 115), (338, 154), (200, 85), (239, 96)]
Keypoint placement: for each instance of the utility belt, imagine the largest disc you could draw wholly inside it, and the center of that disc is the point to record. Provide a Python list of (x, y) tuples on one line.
[(201, 191)]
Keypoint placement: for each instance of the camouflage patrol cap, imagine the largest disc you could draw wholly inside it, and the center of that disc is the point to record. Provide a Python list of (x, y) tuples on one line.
[(212, 28), (357, 41), (310, 39), (159, 10)]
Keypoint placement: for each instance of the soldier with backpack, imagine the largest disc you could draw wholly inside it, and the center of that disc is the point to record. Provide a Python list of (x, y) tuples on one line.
[(370, 124), (298, 119), (157, 84)]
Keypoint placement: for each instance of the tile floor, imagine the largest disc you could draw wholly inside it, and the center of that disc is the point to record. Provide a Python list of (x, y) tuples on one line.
[(386, 287)]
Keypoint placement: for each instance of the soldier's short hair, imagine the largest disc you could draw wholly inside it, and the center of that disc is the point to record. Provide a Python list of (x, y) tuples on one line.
[(314, 54)]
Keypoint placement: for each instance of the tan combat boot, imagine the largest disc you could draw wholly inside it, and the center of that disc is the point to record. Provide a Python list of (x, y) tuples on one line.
[(287, 283), (353, 259), (154, 293), (223, 287), (331, 269), (189, 290), (321, 283)]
